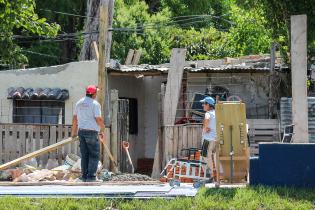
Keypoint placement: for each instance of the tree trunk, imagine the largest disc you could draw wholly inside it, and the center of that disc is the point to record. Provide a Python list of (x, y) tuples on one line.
[(91, 29)]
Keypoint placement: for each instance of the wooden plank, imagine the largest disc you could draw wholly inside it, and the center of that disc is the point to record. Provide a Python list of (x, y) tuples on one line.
[(189, 137), (175, 142), (265, 132), (129, 57), (96, 50), (7, 143), (67, 148), (37, 142), (185, 138), (136, 57), (52, 140), (60, 149), (45, 142), (14, 143), (28, 140), (173, 86), (180, 141), (38, 153), (114, 125), (106, 161), (22, 136)]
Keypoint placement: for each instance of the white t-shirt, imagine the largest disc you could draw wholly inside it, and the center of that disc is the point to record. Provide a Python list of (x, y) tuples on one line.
[(87, 109), (211, 135)]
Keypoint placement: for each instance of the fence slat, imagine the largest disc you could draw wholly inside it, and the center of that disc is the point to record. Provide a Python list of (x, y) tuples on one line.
[(60, 150), (1, 145), (175, 142), (22, 136), (53, 140), (180, 141)]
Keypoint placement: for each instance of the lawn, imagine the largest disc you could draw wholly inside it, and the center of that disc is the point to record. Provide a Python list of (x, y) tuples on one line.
[(245, 198)]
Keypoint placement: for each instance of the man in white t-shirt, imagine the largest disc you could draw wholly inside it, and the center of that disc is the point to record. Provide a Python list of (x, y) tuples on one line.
[(209, 132), (88, 124)]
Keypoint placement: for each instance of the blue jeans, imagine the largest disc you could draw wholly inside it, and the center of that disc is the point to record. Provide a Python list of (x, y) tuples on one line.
[(90, 153)]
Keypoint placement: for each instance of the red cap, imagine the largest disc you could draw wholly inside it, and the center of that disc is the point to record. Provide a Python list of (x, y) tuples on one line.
[(91, 89)]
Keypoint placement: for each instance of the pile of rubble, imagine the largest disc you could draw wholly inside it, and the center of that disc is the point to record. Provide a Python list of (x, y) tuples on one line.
[(70, 171)]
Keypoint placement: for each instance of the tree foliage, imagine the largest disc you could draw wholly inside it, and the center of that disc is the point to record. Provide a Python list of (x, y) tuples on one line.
[(158, 33), (19, 17), (277, 14)]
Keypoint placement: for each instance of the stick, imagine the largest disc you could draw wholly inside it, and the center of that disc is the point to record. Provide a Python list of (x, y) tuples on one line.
[(38, 152), (102, 139)]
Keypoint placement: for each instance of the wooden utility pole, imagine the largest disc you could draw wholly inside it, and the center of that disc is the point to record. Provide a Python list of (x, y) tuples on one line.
[(102, 73)]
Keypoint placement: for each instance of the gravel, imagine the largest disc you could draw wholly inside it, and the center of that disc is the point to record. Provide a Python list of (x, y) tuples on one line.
[(130, 177)]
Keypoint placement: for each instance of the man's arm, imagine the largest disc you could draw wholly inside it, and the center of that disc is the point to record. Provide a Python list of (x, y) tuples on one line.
[(100, 122), (206, 128), (74, 130)]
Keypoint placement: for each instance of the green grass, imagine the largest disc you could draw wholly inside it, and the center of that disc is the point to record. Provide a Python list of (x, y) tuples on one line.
[(260, 198)]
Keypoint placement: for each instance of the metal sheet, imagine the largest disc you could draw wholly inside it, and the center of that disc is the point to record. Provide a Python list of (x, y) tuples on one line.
[(286, 115), (112, 191)]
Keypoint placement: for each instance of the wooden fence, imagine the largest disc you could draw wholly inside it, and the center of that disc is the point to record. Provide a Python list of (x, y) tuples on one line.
[(178, 137), (17, 140)]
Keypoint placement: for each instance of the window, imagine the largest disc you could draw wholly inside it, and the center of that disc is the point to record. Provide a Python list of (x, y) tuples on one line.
[(38, 112)]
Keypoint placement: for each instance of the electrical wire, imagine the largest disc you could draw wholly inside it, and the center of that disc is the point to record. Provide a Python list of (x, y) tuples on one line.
[(45, 55)]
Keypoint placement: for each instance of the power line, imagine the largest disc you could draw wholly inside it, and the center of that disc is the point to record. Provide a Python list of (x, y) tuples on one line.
[(46, 55), (69, 14)]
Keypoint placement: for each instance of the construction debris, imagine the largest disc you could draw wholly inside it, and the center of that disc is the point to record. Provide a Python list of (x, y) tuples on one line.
[(70, 171)]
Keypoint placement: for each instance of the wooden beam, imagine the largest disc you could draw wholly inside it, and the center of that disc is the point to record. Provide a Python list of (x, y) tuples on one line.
[(173, 86), (299, 77), (103, 29), (114, 125), (136, 57), (129, 57), (96, 50), (38, 152)]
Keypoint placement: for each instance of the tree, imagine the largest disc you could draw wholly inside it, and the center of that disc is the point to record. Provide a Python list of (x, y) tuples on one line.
[(278, 12), (19, 17), (140, 30)]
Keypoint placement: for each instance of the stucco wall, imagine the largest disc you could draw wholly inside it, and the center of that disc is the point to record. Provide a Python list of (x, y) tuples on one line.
[(72, 76), (145, 90)]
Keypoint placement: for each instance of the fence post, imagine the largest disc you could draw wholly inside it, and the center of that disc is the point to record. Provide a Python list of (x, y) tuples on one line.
[(114, 124)]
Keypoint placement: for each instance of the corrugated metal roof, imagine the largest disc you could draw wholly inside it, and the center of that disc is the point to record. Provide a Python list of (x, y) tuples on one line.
[(22, 93), (246, 64)]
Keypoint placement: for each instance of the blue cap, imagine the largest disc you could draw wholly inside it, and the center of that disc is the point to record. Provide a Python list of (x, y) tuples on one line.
[(208, 100)]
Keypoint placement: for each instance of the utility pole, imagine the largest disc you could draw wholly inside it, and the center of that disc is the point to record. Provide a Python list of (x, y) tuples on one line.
[(102, 42)]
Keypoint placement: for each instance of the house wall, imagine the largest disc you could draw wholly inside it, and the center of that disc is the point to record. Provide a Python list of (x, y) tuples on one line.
[(72, 76), (252, 88), (145, 90)]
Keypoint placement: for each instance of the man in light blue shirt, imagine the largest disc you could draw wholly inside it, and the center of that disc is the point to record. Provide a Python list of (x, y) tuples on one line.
[(88, 124)]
